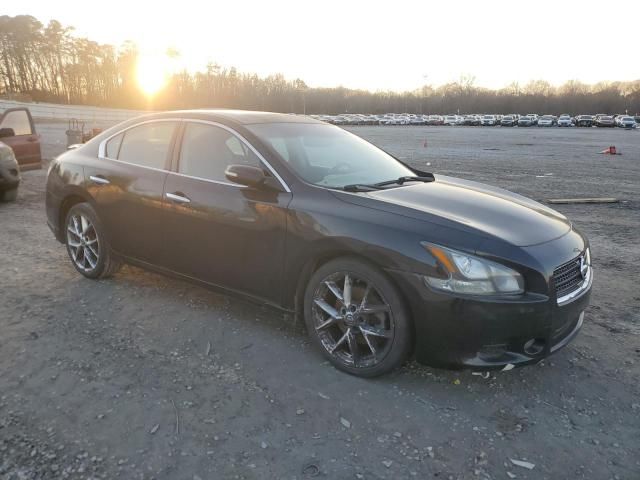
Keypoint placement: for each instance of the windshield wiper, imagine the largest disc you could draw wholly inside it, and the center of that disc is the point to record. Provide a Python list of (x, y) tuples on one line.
[(360, 187), (402, 180), (368, 187)]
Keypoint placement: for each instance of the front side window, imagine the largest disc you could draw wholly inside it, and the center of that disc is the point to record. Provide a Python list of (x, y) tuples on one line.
[(208, 150), (18, 121), (145, 145), (327, 155)]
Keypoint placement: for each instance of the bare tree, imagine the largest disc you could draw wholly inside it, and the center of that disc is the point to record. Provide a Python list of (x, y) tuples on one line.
[(49, 63)]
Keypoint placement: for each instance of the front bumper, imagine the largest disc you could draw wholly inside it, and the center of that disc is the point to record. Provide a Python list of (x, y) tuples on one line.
[(457, 332)]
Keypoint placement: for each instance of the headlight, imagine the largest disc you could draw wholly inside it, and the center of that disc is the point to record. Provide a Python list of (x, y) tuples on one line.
[(467, 274)]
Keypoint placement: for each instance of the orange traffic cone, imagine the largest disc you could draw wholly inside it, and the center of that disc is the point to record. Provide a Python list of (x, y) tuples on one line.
[(610, 151)]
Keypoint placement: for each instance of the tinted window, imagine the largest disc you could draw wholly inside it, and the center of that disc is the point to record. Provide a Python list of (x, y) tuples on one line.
[(18, 121), (208, 150), (113, 146), (147, 145)]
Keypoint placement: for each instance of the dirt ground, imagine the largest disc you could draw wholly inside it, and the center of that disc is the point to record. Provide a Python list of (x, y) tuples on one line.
[(142, 376)]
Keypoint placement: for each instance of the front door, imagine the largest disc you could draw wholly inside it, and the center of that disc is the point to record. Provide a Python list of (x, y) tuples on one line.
[(217, 231), (127, 182), (18, 131)]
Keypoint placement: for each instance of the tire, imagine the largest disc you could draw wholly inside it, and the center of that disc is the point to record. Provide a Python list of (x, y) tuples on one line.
[(378, 328), (9, 195), (87, 244)]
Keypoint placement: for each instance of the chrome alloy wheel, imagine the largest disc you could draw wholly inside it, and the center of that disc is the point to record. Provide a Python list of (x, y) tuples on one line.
[(353, 320), (82, 240)]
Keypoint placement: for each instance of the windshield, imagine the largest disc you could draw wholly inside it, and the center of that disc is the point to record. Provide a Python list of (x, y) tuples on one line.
[(328, 156)]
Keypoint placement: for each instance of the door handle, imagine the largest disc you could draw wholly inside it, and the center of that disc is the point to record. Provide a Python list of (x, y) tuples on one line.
[(99, 180), (178, 197)]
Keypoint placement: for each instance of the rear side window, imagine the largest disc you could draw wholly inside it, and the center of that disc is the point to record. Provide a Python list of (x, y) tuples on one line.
[(113, 146), (147, 145), (208, 150), (18, 121)]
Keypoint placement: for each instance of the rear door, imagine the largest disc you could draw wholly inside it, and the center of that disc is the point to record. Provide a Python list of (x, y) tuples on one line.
[(218, 231), (19, 132), (127, 181)]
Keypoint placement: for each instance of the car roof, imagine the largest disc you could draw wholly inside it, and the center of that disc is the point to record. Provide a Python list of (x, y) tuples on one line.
[(239, 117), (232, 118)]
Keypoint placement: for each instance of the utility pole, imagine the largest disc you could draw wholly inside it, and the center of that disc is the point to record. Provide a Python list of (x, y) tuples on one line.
[(424, 84)]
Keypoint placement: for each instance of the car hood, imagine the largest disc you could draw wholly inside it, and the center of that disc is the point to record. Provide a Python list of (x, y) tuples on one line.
[(471, 206)]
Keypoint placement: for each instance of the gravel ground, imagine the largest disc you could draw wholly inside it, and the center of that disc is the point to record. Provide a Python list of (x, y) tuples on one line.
[(142, 376)]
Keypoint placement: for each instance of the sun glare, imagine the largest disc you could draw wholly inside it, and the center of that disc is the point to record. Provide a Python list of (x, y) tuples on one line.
[(151, 74)]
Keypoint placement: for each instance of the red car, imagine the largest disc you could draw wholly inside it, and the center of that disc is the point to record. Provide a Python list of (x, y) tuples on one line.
[(18, 131)]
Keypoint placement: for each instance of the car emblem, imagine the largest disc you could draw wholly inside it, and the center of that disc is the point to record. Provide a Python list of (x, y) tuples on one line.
[(584, 268)]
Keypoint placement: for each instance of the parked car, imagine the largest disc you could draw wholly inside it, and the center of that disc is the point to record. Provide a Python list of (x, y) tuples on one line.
[(627, 122), (18, 131), (584, 120), (378, 258), (451, 120), (9, 174), (604, 121), (435, 120), (488, 121), (565, 120), (546, 121), (526, 121), (471, 120), (508, 121), (534, 118)]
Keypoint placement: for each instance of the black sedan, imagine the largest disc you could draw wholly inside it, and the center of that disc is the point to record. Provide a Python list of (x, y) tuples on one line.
[(380, 260)]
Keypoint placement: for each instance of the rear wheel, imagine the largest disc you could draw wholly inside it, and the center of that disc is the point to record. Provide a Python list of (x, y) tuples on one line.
[(87, 244), (357, 318), (9, 195)]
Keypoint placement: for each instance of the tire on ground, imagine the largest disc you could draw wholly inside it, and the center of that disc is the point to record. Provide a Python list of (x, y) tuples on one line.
[(9, 195), (108, 263), (403, 336)]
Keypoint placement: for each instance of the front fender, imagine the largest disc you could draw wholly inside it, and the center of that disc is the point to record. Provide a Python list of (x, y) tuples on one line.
[(319, 231)]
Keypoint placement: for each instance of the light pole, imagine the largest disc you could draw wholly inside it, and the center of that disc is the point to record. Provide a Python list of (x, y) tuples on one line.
[(424, 84)]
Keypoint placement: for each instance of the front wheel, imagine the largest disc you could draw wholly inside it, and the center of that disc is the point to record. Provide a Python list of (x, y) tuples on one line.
[(87, 244), (357, 318)]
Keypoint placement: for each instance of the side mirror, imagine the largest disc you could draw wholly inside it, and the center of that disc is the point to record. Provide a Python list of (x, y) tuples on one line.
[(245, 175), (7, 132)]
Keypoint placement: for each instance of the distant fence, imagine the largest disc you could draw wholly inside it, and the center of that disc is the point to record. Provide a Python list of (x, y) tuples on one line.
[(57, 112)]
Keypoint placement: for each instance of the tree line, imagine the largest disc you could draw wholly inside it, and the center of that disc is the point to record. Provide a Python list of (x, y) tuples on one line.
[(48, 63)]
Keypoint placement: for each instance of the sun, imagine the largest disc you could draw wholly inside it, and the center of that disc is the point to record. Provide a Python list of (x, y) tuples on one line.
[(151, 74)]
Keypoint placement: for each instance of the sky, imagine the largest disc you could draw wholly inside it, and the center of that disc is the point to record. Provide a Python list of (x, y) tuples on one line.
[(375, 45)]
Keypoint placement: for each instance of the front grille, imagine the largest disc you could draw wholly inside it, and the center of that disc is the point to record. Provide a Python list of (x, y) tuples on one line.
[(567, 277)]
